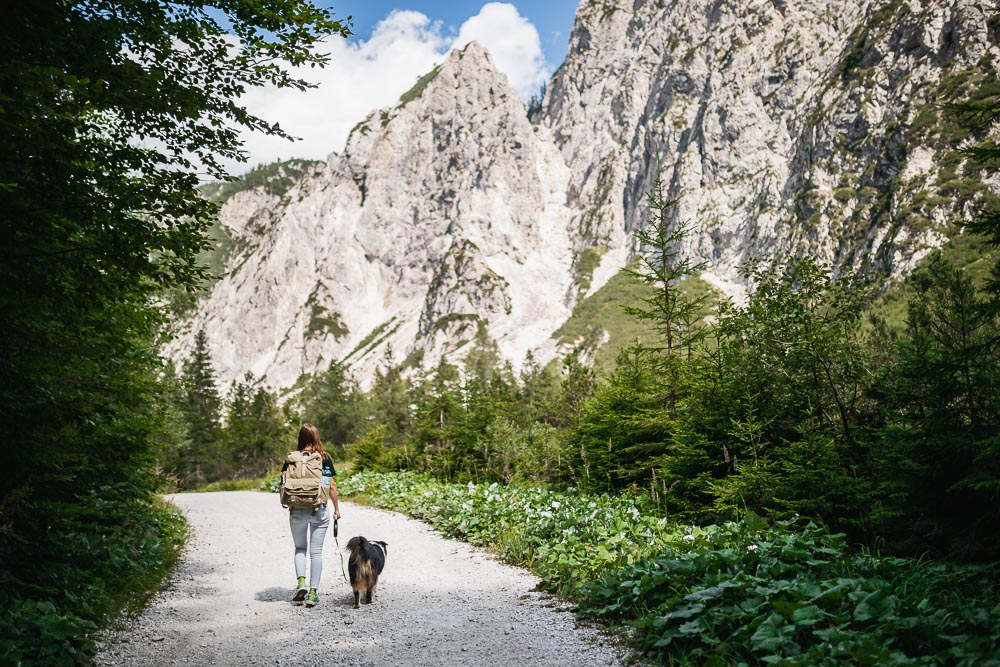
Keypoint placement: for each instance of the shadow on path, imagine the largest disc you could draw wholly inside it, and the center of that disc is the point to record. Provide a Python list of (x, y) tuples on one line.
[(275, 594)]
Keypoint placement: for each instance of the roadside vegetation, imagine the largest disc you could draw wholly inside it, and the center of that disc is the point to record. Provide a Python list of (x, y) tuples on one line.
[(785, 592)]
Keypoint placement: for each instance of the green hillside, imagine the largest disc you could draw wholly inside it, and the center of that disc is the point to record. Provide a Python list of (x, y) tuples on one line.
[(276, 178), (603, 314), (969, 252)]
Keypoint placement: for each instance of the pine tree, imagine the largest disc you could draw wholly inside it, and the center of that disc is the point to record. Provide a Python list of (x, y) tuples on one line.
[(939, 454), (774, 418), (333, 403), (540, 392), (255, 433), (672, 313), (389, 401), (576, 387), (439, 414), (201, 403), (620, 432)]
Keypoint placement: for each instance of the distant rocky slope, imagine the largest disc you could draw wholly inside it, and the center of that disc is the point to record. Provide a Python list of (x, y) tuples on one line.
[(453, 221)]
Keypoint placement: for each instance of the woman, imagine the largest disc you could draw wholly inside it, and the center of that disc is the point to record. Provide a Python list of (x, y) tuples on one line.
[(309, 524)]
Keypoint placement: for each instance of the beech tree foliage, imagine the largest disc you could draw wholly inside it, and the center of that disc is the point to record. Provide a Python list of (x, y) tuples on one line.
[(111, 111)]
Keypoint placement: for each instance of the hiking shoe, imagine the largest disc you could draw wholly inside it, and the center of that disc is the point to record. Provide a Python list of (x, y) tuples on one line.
[(300, 590), (312, 599)]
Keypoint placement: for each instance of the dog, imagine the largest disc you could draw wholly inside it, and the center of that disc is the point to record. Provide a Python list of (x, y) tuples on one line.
[(365, 564)]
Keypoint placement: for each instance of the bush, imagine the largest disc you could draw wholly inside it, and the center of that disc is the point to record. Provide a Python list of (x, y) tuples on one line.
[(52, 624), (565, 537)]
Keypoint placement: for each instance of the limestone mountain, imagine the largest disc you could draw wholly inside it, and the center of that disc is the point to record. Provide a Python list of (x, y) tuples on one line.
[(444, 222), (453, 222)]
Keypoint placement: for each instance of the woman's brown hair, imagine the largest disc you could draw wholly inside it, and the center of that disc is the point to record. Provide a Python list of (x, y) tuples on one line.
[(308, 435)]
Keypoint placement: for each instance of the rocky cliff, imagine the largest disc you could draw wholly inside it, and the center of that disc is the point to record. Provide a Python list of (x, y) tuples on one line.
[(453, 221), (782, 127)]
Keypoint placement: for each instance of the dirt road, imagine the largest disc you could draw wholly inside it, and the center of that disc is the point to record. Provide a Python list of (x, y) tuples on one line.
[(439, 602)]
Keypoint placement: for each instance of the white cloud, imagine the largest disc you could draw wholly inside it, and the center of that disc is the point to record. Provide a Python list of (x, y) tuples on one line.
[(513, 43), (366, 75)]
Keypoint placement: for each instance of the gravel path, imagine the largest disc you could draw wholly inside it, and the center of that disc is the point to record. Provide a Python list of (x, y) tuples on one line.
[(439, 602)]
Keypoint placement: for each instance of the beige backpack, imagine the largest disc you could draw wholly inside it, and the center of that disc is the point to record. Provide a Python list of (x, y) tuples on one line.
[(303, 485)]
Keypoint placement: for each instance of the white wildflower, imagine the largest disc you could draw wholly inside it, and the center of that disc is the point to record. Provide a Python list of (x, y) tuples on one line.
[(688, 538)]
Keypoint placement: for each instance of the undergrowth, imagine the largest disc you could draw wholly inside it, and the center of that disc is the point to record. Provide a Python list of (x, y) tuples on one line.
[(106, 572), (746, 592)]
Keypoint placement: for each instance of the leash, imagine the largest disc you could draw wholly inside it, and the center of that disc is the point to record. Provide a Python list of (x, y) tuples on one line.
[(339, 552)]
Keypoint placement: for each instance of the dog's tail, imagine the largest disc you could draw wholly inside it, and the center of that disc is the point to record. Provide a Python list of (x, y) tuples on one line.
[(362, 574)]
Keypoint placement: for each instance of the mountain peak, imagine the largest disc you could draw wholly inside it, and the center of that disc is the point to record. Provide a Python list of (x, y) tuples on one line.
[(474, 63), (476, 53), (452, 223), (463, 87)]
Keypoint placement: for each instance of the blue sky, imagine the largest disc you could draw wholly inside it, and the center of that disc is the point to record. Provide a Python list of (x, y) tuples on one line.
[(395, 43), (552, 18)]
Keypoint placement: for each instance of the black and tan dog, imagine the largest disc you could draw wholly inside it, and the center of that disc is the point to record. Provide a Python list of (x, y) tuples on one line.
[(366, 563)]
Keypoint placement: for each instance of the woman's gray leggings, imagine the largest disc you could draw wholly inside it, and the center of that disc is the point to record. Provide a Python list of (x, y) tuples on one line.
[(304, 521)]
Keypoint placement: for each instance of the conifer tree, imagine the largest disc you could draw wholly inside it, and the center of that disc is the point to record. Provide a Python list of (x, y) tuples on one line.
[(621, 431), (439, 416), (333, 403), (202, 405), (389, 401), (674, 315), (255, 433), (939, 457), (578, 380), (539, 391)]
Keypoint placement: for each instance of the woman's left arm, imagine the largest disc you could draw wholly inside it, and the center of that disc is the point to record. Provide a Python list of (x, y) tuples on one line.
[(334, 498)]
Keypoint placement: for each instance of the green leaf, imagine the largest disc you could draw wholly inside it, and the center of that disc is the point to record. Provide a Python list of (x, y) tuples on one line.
[(877, 605), (807, 615)]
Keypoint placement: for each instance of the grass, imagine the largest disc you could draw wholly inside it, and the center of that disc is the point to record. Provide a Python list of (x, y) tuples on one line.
[(258, 484), (136, 592), (418, 88), (268, 483), (374, 337), (969, 252), (275, 178)]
